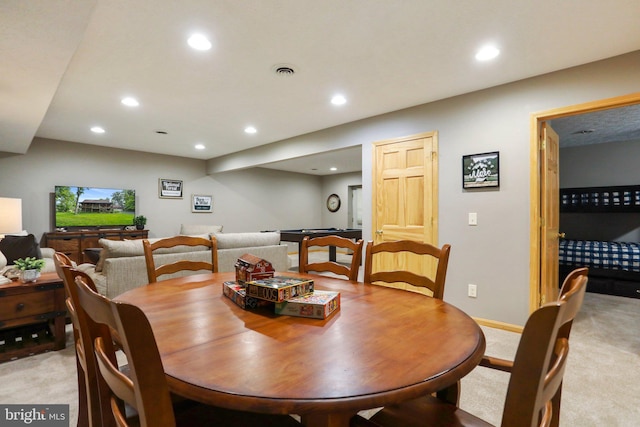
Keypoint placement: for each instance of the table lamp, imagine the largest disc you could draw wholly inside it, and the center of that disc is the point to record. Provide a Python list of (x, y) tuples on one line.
[(10, 216)]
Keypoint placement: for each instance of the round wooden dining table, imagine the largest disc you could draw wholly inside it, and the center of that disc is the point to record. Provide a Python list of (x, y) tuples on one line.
[(381, 347)]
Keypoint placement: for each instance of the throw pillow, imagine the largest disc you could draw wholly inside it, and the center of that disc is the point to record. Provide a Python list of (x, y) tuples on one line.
[(247, 240), (3, 261), (16, 247)]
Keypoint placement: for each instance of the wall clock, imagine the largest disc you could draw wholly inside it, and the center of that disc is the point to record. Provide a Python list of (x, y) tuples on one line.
[(333, 202)]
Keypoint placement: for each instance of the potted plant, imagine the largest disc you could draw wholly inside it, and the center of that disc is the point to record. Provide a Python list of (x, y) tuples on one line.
[(140, 221), (29, 268)]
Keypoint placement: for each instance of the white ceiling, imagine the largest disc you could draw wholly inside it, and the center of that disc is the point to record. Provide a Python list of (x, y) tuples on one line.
[(67, 63)]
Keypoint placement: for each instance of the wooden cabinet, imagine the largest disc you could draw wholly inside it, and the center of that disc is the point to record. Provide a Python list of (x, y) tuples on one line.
[(73, 243), (32, 317)]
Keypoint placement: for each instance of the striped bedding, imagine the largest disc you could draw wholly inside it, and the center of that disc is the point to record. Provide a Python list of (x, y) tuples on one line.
[(600, 254)]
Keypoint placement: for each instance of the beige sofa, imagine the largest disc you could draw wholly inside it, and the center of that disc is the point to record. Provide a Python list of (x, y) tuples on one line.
[(122, 266)]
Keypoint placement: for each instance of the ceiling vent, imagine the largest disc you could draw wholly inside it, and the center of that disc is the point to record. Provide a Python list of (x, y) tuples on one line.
[(284, 69)]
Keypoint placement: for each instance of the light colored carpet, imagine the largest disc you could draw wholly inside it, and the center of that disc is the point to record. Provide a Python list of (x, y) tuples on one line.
[(600, 388)]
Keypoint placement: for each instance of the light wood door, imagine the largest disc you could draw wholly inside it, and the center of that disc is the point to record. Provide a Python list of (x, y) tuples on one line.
[(405, 176), (550, 208)]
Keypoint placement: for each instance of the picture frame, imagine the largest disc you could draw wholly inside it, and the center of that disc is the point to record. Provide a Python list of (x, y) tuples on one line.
[(201, 203), (481, 170), (169, 188)]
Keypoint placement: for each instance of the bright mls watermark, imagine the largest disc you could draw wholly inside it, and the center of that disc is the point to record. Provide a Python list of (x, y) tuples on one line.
[(34, 415)]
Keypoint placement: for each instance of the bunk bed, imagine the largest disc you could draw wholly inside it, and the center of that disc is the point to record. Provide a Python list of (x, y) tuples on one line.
[(614, 266)]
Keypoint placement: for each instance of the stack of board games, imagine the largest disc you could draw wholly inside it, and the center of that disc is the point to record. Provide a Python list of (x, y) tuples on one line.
[(238, 294), (316, 305), (279, 288)]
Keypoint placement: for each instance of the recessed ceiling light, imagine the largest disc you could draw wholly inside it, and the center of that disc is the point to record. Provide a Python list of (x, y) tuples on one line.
[(97, 129), (250, 129), (199, 42), (200, 147), (338, 100), (487, 53), (333, 169), (130, 102)]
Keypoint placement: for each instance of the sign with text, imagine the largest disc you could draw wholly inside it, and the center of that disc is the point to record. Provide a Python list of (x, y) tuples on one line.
[(481, 170), (34, 415)]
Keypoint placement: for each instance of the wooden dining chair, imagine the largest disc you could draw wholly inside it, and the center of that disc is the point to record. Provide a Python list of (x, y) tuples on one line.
[(90, 410), (153, 271), (435, 284), (141, 396), (339, 242), (536, 375)]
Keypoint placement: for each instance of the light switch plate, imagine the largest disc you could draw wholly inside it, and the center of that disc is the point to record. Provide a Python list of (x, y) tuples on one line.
[(473, 218)]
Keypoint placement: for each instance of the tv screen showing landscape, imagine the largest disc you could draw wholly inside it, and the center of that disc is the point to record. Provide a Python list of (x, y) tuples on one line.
[(78, 207)]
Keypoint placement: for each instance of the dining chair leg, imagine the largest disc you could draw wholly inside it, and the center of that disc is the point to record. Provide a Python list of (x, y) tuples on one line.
[(83, 406)]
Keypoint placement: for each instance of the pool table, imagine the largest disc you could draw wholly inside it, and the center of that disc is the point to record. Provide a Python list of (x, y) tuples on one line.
[(299, 234)]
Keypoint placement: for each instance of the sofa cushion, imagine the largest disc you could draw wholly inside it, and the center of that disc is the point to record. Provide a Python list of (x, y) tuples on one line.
[(128, 248), (189, 230), (247, 240), (16, 247)]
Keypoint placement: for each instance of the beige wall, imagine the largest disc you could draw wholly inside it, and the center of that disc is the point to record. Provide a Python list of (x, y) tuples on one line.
[(493, 255), (249, 200)]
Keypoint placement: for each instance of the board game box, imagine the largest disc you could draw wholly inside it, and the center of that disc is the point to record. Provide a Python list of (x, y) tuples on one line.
[(318, 305), (238, 294), (279, 288), (250, 267)]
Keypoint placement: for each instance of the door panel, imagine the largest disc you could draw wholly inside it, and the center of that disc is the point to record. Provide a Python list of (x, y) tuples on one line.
[(405, 198), (550, 208)]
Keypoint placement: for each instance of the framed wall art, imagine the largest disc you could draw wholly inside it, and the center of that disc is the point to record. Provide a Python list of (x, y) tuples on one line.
[(169, 188), (481, 170), (201, 203)]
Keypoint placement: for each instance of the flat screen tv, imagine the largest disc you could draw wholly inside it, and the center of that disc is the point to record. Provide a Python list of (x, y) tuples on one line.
[(93, 208)]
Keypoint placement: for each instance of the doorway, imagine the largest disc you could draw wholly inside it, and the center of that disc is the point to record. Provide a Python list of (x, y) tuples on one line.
[(355, 206), (540, 197)]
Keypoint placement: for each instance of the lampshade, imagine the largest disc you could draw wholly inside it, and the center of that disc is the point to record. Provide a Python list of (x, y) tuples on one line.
[(10, 215)]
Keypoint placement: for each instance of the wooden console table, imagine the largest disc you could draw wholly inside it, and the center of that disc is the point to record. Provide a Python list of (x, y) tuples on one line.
[(32, 317), (74, 243)]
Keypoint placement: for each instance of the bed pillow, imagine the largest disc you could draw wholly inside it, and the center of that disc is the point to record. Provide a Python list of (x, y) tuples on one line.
[(16, 247)]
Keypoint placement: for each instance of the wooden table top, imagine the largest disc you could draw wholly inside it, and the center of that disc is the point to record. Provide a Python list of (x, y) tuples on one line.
[(383, 346)]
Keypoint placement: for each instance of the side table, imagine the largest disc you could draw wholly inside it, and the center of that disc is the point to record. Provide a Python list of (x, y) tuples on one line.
[(32, 317)]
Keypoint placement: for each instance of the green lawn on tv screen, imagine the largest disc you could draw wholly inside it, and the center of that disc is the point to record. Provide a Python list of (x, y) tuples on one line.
[(68, 219)]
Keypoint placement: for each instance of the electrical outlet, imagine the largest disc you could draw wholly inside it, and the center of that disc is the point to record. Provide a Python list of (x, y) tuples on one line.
[(473, 291)]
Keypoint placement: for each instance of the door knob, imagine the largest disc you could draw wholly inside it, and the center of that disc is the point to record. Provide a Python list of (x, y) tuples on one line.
[(378, 232), (561, 235)]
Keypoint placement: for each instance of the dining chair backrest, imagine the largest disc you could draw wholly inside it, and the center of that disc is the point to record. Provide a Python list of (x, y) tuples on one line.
[(339, 242), (536, 376), (153, 271), (91, 409), (572, 284), (440, 255), (540, 361), (144, 388)]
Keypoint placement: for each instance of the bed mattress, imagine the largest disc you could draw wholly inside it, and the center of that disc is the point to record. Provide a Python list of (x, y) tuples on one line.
[(600, 254)]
